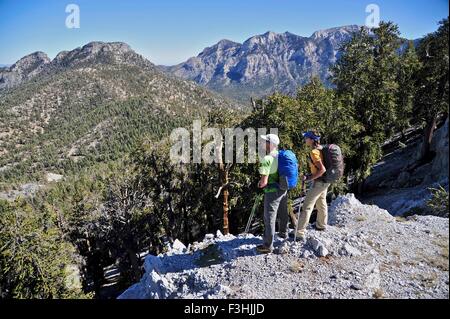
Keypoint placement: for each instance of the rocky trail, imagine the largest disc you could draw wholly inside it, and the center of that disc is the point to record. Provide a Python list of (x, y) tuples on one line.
[(364, 253)]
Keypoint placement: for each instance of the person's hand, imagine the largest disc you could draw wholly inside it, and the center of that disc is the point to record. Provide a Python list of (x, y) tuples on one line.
[(263, 181)]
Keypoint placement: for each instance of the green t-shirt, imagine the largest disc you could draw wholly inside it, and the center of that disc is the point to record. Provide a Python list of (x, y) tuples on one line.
[(269, 166)]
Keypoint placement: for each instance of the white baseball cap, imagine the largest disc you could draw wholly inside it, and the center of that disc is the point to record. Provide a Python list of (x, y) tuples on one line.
[(272, 138)]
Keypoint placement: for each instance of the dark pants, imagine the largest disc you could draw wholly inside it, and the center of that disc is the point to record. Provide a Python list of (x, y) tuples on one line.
[(275, 202)]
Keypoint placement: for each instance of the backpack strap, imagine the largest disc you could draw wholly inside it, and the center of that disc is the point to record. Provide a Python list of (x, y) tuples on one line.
[(321, 178), (312, 162)]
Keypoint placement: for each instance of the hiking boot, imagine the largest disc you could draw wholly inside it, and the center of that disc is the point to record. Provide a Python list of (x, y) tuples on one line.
[(263, 249), (319, 229), (283, 235), (301, 238), (282, 249)]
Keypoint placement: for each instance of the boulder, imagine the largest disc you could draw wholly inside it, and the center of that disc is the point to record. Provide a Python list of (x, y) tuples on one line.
[(178, 246), (402, 179), (373, 279), (439, 144), (317, 246), (322, 251), (152, 263), (137, 291), (52, 177), (348, 250), (219, 234)]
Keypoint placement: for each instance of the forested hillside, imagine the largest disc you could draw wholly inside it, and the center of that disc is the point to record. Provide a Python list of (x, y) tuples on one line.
[(90, 105)]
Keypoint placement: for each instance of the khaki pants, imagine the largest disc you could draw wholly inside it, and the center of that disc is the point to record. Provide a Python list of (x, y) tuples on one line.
[(317, 195)]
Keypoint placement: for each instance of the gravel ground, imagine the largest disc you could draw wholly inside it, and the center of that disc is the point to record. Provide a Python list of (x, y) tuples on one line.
[(364, 253)]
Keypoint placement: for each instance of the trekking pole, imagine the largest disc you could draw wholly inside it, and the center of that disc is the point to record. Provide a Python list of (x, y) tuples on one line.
[(255, 206), (299, 210)]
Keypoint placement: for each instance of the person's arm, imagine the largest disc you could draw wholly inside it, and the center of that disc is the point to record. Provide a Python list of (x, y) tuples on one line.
[(264, 171), (320, 170), (317, 162), (263, 181)]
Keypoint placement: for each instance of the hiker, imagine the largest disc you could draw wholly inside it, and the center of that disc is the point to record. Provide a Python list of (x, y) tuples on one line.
[(275, 199), (317, 194)]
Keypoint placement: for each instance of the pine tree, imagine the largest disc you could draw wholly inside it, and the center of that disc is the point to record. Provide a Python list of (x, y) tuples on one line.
[(35, 262), (408, 67), (431, 100), (365, 76)]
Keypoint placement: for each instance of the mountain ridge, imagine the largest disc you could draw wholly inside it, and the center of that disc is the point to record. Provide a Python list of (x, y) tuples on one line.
[(265, 63), (38, 62), (86, 105)]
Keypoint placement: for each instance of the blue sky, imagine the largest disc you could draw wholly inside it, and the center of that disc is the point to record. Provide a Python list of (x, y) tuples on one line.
[(170, 31)]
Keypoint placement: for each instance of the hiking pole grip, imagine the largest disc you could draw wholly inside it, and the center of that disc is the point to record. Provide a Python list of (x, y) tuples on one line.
[(303, 188), (252, 213), (299, 210)]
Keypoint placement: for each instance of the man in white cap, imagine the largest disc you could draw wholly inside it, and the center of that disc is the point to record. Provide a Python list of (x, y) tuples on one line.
[(275, 199)]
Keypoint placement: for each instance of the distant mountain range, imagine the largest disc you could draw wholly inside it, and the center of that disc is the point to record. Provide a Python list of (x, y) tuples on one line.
[(89, 105), (265, 63), (257, 67)]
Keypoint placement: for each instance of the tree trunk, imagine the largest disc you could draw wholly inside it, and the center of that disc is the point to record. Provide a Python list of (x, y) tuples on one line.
[(360, 186), (224, 180), (187, 231), (134, 264), (427, 138)]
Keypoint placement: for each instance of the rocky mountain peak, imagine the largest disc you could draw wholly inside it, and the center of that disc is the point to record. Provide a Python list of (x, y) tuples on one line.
[(332, 32), (94, 53), (30, 62), (99, 52), (97, 46), (265, 63), (225, 43), (269, 37), (25, 68), (220, 48)]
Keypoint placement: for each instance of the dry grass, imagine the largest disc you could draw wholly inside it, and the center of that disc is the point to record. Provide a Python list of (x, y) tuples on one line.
[(375, 246), (327, 259), (361, 218), (439, 260), (395, 252), (400, 219), (428, 281), (396, 263), (384, 267), (444, 252), (297, 267), (378, 293), (412, 262), (443, 244)]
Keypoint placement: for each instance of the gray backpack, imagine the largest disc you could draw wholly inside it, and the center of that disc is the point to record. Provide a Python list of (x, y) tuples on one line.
[(333, 162)]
